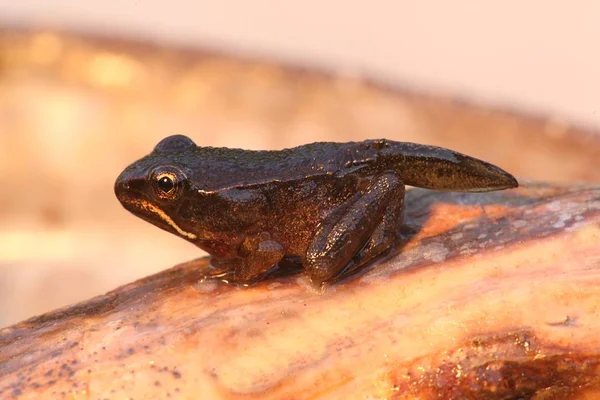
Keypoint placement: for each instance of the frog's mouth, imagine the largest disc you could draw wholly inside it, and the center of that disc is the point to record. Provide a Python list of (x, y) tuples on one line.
[(149, 212)]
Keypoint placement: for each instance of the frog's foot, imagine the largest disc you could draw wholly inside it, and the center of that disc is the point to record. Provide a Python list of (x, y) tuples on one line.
[(366, 229), (258, 255), (219, 269)]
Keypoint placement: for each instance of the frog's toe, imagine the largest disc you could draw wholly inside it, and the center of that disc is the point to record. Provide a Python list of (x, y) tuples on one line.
[(320, 270)]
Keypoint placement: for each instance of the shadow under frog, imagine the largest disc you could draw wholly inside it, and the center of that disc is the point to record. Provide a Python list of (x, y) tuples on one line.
[(332, 208)]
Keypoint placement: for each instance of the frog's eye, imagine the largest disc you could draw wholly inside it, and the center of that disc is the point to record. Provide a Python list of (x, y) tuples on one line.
[(168, 182), (165, 183)]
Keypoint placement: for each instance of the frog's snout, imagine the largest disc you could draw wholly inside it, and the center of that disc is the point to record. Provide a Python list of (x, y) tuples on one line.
[(127, 188), (121, 189), (130, 194), (121, 186)]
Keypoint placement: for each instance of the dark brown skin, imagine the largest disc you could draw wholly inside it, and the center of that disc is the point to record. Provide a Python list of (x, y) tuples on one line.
[(335, 206)]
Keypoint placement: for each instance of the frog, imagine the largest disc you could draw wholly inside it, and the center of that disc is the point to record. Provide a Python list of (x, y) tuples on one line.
[(334, 207)]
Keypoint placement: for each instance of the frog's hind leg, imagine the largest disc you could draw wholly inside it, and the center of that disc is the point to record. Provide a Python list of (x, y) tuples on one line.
[(383, 238), (367, 228)]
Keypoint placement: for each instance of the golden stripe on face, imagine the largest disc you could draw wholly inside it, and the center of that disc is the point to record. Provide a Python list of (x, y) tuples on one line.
[(154, 209)]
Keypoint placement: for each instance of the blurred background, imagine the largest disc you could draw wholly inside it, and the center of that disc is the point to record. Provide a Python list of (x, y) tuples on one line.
[(88, 87)]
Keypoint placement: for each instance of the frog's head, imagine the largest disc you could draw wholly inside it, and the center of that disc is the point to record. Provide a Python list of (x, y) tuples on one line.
[(154, 187)]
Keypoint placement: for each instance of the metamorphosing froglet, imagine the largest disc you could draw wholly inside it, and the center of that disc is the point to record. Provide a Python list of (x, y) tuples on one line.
[(335, 206)]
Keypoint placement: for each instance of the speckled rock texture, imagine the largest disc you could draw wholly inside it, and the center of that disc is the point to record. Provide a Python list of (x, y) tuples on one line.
[(490, 296)]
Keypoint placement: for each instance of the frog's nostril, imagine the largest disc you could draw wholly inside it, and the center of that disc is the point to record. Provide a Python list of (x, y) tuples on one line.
[(127, 188), (121, 188)]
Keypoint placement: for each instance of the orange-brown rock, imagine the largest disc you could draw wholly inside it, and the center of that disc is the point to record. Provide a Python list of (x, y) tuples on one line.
[(491, 296)]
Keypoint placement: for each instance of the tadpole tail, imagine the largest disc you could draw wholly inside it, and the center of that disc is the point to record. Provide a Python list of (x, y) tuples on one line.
[(437, 168)]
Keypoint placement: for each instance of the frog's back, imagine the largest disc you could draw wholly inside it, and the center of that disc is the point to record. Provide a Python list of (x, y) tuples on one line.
[(417, 165), (218, 168)]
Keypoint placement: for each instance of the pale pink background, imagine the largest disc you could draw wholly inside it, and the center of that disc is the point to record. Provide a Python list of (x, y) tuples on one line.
[(541, 56)]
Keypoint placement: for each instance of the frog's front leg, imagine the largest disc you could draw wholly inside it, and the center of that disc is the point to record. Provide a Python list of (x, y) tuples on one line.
[(257, 255), (368, 227)]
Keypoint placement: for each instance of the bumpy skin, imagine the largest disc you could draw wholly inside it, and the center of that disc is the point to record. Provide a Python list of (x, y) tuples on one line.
[(336, 206)]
